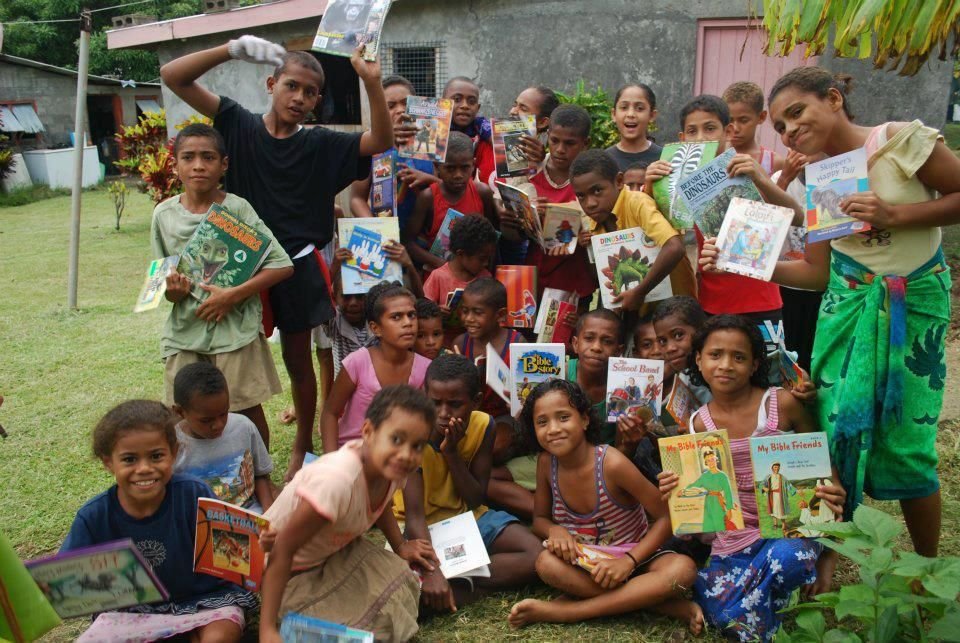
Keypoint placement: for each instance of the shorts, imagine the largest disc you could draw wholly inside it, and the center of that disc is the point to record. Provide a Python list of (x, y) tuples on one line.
[(492, 523), (321, 341), (302, 302), (251, 374)]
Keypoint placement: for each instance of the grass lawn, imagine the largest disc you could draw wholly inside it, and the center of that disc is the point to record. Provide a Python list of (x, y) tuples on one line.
[(62, 370)]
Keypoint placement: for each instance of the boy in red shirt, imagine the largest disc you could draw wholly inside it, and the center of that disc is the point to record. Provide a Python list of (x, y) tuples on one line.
[(465, 95)]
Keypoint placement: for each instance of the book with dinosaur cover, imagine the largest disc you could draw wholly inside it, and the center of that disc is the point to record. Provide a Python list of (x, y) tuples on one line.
[(228, 543), (556, 326), (786, 472), (546, 298), (507, 153), (623, 259), (705, 500), (521, 285), (681, 403), (432, 118), (751, 237), (531, 364), (707, 192), (105, 577), (828, 182), (441, 243), (348, 24), (383, 184), (684, 158), (297, 628), (634, 387), (561, 227), (155, 284), (359, 274), (459, 547), (518, 202)]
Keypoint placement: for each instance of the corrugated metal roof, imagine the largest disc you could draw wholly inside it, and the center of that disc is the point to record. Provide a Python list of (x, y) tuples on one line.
[(53, 69), (28, 118)]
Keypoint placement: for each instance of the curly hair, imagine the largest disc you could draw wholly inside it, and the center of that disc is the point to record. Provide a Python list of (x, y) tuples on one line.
[(471, 234), (377, 297), (760, 377), (400, 396), (687, 308), (134, 415), (746, 92), (450, 367), (490, 291), (578, 400), (596, 161), (427, 309), (198, 378)]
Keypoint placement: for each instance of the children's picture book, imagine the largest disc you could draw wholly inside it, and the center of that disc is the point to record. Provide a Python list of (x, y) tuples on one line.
[(155, 284), (828, 181), (623, 259), (684, 158), (681, 403), (367, 248), (348, 24), (521, 285), (589, 555), (634, 387), (459, 547), (297, 628), (507, 153), (545, 299), (792, 374), (105, 577), (705, 500), (498, 374), (228, 543), (432, 118), (561, 227), (518, 202), (531, 364), (751, 237), (223, 251), (786, 472), (557, 327), (707, 192), (453, 299), (383, 184), (441, 243)]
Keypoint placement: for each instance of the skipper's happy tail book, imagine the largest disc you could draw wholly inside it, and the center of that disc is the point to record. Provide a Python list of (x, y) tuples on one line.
[(623, 259), (828, 182), (531, 364), (707, 192), (634, 387), (786, 472), (507, 153), (521, 285), (228, 543), (359, 274), (432, 119), (705, 499), (155, 284), (751, 237), (684, 158), (348, 24)]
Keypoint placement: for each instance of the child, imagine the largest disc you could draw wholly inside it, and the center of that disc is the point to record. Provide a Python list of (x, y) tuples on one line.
[(453, 480), (748, 580), (347, 332), (291, 176), (226, 328), (465, 95), (634, 108), (635, 176), (216, 445), (457, 189), (745, 102), (589, 494), (429, 329), (392, 317), (156, 508), (321, 565)]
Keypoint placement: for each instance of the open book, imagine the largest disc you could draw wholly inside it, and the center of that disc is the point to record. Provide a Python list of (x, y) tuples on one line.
[(460, 547)]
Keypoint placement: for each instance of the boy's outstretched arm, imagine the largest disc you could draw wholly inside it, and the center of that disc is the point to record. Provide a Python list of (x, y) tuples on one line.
[(380, 137)]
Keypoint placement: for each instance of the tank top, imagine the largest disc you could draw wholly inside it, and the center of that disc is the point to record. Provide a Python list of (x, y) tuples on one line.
[(468, 203)]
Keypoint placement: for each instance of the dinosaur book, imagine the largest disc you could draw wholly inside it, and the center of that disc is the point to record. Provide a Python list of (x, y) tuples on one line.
[(634, 387), (521, 285), (365, 237), (706, 193), (684, 158), (828, 181), (751, 238), (432, 118), (623, 259), (228, 543), (95, 579), (383, 184), (348, 24), (507, 153), (531, 364), (155, 284)]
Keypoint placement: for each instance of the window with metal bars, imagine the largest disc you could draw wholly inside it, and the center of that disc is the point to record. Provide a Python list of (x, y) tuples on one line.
[(422, 63)]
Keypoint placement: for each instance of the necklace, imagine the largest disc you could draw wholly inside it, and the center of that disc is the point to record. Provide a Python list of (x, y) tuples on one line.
[(556, 186)]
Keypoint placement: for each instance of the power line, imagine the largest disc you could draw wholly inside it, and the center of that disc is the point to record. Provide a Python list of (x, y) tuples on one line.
[(38, 22), (126, 4)]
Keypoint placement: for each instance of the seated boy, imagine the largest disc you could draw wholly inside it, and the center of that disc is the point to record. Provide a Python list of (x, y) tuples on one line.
[(429, 329), (453, 479), (465, 95), (226, 328)]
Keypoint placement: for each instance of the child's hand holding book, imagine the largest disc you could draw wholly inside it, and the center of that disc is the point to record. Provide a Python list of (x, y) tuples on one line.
[(419, 553), (219, 304), (668, 481), (436, 592), (368, 70), (561, 544), (178, 287), (708, 255), (612, 572)]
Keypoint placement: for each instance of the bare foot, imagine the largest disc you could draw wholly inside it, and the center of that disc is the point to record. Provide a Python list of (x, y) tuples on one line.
[(288, 415), (695, 620), (296, 463), (531, 610), (684, 610), (826, 565)]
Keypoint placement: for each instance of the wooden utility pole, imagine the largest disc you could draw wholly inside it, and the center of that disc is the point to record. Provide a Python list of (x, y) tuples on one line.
[(86, 26)]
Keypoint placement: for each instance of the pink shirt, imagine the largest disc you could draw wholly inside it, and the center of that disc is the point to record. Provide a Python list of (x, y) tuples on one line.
[(441, 282)]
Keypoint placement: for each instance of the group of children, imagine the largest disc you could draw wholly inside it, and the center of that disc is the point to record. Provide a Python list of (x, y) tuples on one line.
[(411, 434)]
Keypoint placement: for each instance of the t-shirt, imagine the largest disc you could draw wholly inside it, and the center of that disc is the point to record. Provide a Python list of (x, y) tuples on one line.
[(345, 338), (170, 230), (626, 159), (334, 486), (608, 432), (228, 463), (442, 282), (724, 292), (290, 181)]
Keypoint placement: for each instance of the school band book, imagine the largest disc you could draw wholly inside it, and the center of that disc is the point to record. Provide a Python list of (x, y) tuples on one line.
[(228, 543), (684, 158), (707, 192), (431, 116), (828, 182), (508, 155), (348, 24), (623, 259), (751, 238), (634, 387)]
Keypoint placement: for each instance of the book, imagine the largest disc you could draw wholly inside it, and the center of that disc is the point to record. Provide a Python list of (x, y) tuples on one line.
[(223, 251), (507, 153), (786, 472), (707, 191), (634, 387), (681, 403), (531, 364), (155, 283), (705, 500), (459, 547), (441, 243), (383, 184), (518, 202), (561, 227), (828, 181), (623, 259), (548, 295), (684, 158), (751, 237), (498, 374), (228, 543), (792, 374), (556, 327), (521, 285), (589, 555), (348, 24), (25, 613), (376, 232), (432, 118), (101, 578), (297, 628)]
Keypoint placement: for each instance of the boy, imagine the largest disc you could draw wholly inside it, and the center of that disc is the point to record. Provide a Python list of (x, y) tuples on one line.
[(347, 331), (429, 329), (291, 175), (745, 102), (221, 448), (634, 176), (465, 95), (226, 328), (453, 479)]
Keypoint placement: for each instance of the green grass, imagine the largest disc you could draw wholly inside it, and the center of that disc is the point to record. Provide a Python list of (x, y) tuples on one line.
[(951, 132), (30, 194)]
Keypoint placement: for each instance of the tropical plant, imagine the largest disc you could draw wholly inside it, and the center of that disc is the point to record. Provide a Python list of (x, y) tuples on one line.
[(118, 192), (7, 162), (599, 104)]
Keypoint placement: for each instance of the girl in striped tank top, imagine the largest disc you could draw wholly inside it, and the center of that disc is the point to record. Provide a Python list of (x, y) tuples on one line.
[(589, 494), (749, 579)]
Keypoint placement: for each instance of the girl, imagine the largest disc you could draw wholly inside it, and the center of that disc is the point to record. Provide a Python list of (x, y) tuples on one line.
[(610, 514), (137, 443), (749, 579), (392, 316), (634, 109), (675, 322)]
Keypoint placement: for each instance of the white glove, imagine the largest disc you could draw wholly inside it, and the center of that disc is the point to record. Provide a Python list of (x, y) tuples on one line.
[(256, 50)]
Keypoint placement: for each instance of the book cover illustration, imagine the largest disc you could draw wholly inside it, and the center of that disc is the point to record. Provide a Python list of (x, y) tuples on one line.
[(829, 181), (518, 202), (681, 403), (531, 364), (357, 281), (297, 628), (441, 243), (751, 237), (432, 118), (348, 24), (498, 374), (155, 283), (95, 579), (707, 192), (545, 302), (383, 184), (623, 259), (556, 324), (521, 285), (507, 153), (634, 387), (228, 543), (459, 547), (561, 227), (786, 472), (792, 374), (705, 500), (367, 249), (589, 555), (684, 158)]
